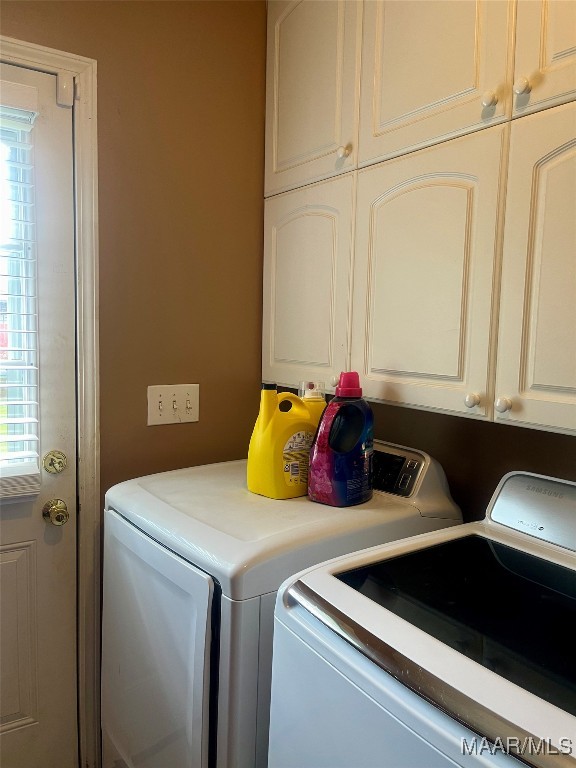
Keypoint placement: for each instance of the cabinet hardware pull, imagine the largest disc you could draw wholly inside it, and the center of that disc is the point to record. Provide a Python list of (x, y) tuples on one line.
[(343, 152), (503, 404), (489, 99), (521, 86)]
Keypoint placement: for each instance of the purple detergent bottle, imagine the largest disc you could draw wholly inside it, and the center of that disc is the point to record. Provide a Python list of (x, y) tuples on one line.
[(340, 471)]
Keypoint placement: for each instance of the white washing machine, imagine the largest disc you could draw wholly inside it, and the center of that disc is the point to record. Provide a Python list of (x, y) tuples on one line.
[(192, 564), (454, 648)]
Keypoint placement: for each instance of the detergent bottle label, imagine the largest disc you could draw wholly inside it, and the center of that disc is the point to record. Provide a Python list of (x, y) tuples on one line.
[(296, 455)]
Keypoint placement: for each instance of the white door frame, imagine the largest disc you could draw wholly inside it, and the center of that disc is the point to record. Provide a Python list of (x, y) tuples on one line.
[(82, 72)]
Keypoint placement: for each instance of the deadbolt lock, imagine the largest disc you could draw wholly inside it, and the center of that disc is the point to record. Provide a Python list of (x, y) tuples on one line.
[(56, 512), (54, 462)]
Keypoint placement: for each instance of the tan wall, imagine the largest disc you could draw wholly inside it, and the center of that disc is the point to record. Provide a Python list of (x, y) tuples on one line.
[(181, 144)]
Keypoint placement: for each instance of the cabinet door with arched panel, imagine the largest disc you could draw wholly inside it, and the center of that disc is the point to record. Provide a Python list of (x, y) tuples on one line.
[(307, 267), (536, 371), (426, 255)]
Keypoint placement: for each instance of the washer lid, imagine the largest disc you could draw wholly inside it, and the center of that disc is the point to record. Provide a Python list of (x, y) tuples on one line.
[(503, 608), (249, 543)]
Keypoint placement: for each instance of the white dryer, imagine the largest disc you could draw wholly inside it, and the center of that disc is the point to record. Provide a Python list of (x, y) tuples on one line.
[(192, 564), (454, 648)]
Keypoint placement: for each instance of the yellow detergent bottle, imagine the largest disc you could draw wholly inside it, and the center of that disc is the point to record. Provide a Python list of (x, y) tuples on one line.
[(280, 444)]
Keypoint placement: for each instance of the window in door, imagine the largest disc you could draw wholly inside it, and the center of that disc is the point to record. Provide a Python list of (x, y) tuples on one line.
[(18, 308)]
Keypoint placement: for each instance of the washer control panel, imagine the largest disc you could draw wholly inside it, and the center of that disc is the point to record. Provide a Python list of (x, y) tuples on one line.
[(395, 469)]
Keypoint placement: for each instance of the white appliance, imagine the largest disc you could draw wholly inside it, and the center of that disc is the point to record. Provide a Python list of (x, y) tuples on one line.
[(451, 648), (192, 563)]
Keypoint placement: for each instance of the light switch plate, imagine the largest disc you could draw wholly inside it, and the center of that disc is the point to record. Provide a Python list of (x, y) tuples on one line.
[(173, 403)]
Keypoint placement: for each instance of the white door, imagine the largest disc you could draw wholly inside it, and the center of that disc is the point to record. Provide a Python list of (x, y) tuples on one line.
[(38, 416), (536, 373), (424, 264)]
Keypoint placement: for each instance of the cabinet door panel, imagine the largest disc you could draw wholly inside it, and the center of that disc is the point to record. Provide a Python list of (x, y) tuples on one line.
[(430, 264), (307, 256), (426, 68), (545, 54), (426, 244), (537, 341), (311, 90)]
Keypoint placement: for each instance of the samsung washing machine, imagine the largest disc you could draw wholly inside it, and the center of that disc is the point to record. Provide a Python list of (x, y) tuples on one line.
[(454, 648), (192, 565)]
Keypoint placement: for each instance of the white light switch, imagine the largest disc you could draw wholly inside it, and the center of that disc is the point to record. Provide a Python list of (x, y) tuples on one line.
[(173, 403)]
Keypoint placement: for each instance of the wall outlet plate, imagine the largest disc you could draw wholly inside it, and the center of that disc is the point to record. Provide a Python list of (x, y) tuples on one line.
[(173, 403)]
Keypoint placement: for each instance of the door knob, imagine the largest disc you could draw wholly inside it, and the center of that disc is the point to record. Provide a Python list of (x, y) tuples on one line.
[(343, 152), (56, 512)]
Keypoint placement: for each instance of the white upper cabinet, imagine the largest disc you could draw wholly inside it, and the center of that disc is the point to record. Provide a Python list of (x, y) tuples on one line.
[(545, 60), (307, 262), (536, 374), (425, 259), (312, 83), (431, 70), (420, 220)]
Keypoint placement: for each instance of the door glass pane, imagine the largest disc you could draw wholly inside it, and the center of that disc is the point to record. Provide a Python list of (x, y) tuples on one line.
[(18, 312)]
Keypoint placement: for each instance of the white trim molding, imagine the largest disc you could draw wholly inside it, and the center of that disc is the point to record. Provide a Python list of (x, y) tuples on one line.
[(82, 73)]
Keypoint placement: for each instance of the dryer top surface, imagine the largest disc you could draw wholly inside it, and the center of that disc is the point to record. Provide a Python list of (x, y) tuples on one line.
[(250, 543)]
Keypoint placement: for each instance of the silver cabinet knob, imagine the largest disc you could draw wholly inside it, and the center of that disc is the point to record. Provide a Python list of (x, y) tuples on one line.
[(503, 404), (56, 512), (472, 399)]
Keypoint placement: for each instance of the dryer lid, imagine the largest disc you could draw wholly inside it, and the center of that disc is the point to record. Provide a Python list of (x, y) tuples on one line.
[(249, 543)]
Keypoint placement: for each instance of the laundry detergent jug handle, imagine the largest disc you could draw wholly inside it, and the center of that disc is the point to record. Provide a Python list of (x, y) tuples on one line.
[(268, 404), (296, 402)]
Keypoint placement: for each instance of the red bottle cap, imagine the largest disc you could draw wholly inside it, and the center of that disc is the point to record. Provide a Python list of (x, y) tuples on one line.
[(349, 385)]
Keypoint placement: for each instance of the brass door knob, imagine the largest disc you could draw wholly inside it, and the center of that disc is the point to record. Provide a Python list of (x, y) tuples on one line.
[(56, 512)]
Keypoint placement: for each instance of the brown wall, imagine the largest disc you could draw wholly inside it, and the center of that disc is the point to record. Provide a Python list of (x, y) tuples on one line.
[(181, 139), (181, 146), (476, 455)]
